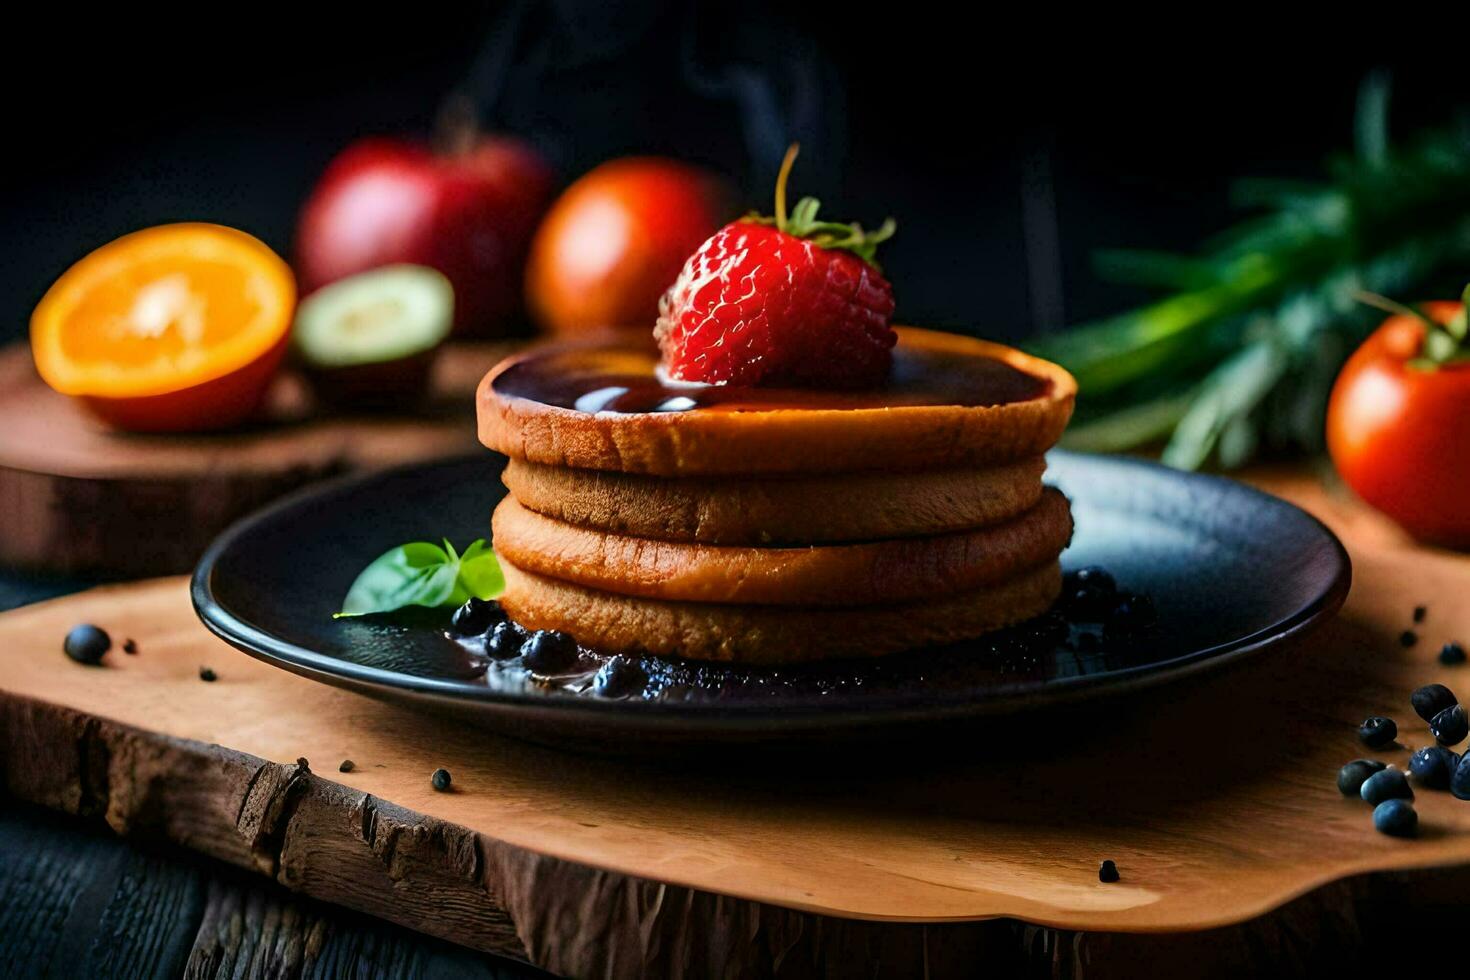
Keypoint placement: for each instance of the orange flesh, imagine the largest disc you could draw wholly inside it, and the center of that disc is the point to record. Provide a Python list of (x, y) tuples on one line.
[(162, 310)]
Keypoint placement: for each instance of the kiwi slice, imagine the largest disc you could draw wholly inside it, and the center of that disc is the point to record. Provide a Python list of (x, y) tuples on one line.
[(368, 340)]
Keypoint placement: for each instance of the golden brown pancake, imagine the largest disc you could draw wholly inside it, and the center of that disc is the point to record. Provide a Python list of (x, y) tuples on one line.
[(952, 402), (779, 510), (770, 634), (889, 571)]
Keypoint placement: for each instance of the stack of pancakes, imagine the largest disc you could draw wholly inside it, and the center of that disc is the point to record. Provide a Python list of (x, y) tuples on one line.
[(776, 527)]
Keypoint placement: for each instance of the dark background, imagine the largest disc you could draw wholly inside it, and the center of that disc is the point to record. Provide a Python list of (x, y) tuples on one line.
[(1009, 145)]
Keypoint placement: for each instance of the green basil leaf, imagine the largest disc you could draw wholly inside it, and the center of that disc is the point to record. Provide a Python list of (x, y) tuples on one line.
[(416, 574), (479, 572), (424, 574)]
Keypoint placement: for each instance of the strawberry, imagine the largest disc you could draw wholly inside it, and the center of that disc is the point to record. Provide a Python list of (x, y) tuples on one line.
[(784, 301)]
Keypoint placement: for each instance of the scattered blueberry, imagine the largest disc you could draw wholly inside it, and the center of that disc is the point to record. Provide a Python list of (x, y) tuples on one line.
[(1460, 779), (1378, 732), (130, 646), (86, 644), (1396, 818), (1433, 766), (1408, 638), (1420, 612), (1431, 699), (440, 780), (1450, 726), (618, 677), (1351, 776), (1131, 612), (475, 617), (1387, 784), (208, 675), (504, 641), (1452, 654), (347, 766), (1108, 872), (1092, 577), (1089, 594), (547, 651)]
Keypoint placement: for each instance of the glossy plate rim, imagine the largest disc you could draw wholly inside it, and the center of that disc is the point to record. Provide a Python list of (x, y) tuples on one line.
[(786, 717)]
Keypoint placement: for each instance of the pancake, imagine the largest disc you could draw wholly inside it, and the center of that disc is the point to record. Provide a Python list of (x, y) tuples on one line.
[(768, 634), (951, 402), (845, 575), (779, 510)]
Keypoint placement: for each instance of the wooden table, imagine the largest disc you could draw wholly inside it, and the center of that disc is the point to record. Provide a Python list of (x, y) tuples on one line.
[(1217, 804)]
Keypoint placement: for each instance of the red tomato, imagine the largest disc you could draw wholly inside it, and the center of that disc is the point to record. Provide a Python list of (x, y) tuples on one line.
[(1400, 435), (617, 239)]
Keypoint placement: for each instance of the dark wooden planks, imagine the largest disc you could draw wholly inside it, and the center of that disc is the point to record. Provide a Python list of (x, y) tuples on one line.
[(76, 901)]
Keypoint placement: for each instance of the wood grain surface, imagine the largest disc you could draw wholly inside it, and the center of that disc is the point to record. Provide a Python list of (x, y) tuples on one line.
[(1215, 799), (77, 901), (67, 482)]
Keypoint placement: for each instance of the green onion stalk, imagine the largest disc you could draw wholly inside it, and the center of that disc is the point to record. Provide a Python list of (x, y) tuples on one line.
[(1240, 353)]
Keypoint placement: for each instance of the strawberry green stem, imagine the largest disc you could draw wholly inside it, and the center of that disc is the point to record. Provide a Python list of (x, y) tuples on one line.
[(781, 178), (801, 221)]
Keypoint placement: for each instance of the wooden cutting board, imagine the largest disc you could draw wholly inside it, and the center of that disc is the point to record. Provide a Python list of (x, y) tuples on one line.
[(1218, 804), (68, 483)]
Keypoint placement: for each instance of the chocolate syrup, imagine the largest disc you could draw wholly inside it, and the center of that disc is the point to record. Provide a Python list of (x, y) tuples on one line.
[(627, 382), (1067, 641)]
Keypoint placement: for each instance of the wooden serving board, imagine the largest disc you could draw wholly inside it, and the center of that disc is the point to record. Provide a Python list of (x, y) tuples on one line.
[(68, 483), (1218, 804)]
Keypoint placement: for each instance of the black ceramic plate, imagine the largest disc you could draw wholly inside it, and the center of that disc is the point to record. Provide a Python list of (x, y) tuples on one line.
[(1230, 570)]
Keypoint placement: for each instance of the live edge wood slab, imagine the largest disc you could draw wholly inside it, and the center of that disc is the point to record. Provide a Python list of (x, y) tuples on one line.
[(1216, 800), (67, 482)]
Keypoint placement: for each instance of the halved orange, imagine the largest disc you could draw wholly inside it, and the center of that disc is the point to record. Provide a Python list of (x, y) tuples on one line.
[(173, 328)]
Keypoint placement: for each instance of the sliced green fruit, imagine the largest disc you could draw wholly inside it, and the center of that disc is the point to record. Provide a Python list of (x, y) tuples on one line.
[(388, 314)]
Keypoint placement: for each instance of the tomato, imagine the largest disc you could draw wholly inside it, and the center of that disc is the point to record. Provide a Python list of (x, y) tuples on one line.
[(617, 239), (1399, 434)]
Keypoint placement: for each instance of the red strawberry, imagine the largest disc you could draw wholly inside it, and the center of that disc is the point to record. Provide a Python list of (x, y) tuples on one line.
[(788, 301)]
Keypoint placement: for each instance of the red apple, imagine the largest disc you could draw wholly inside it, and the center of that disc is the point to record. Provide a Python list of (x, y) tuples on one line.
[(470, 214), (616, 239)]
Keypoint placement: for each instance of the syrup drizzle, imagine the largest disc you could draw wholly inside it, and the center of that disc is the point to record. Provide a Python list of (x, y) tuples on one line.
[(628, 382)]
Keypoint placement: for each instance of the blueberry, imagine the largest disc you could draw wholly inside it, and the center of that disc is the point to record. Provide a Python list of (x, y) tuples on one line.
[(1093, 577), (440, 780), (1131, 612), (86, 644), (1450, 726), (1408, 638), (1387, 784), (618, 677), (1420, 612), (1431, 699), (1087, 604), (1452, 654), (1089, 594), (504, 641), (1351, 776), (1396, 818), (1433, 766), (208, 675), (475, 617), (547, 651), (1378, 732), (1460, 779), (347, 766), (1107, 872)]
